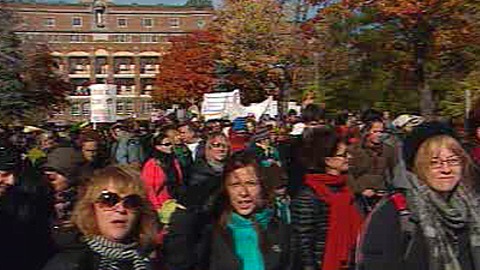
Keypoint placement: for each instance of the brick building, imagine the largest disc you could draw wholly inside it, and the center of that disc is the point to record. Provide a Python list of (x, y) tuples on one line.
[(99, 41)]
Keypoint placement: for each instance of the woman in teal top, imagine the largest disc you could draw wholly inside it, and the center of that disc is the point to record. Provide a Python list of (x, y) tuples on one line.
[(246, 235)]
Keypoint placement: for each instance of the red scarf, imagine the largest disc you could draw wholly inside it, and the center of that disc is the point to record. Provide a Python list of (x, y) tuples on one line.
[(344, 220)]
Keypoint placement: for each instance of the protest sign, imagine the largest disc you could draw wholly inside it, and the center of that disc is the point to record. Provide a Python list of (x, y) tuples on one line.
[(103, 103)]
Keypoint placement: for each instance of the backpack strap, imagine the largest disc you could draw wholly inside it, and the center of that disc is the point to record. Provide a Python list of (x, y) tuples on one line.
[(407, 225)]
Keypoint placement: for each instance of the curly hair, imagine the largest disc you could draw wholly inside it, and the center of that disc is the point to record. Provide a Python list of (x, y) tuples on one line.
[(127, 181)]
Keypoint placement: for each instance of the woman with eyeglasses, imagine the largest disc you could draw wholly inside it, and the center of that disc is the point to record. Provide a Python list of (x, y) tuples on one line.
[(162, 174), (116, 223), (436, 224), (203, 185), (325, 219)]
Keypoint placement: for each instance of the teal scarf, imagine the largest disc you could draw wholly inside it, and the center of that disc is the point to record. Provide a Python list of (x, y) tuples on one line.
[(246, 241)]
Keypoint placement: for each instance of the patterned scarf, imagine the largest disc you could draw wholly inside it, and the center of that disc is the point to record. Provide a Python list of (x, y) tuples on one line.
[(441, 219), (112, 254)]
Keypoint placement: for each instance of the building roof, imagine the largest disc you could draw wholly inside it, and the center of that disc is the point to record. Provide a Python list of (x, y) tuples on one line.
[(139, 3)]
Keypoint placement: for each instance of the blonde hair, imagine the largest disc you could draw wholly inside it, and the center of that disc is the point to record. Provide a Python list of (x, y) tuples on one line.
[(126, 181), (429, 148)]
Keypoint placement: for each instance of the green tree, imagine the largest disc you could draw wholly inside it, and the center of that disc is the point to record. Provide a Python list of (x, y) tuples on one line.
[(29, 85), (255, 44)]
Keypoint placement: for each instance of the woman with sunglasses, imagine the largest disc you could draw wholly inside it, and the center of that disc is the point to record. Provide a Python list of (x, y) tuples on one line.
[(116, 223), (162, 174), (325, 219), (435, 225)]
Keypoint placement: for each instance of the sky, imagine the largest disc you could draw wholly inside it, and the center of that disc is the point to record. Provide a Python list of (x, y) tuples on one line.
[(153, 2)]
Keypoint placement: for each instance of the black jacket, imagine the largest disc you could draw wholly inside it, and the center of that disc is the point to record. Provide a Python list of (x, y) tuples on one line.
[(275, 248), (193, 242), (76, 255), (309, 226), (203, 184), (388, 244), (26, 210), (394, 242)]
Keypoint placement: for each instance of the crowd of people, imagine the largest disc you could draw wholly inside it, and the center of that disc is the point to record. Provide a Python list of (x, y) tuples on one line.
[(305, 192)]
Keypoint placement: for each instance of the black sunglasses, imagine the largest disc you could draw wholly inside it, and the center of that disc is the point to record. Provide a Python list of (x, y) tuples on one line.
[(109, 199)]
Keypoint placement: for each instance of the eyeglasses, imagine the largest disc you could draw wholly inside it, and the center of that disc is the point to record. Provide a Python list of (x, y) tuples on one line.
[(108, 200), (166, 144), (343, 155), (451, 162), (218, 145)]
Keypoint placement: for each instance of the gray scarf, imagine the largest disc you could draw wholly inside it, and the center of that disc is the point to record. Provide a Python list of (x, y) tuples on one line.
[(113, 254), (441, 219)]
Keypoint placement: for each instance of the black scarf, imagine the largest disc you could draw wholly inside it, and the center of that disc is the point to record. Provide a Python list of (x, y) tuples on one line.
[(167, 163)]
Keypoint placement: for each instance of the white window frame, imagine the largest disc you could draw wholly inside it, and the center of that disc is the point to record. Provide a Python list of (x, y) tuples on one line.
[(148, 26), (50, 19), (78, 107), (122, 26), (174, 22), (80, 20), (202, 22)]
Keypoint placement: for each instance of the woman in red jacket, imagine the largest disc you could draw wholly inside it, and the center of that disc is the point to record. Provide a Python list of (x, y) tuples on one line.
[(162, 173)]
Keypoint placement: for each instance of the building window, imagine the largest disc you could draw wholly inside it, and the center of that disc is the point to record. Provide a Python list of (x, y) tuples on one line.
[(75, 109), (120, 107), (122, 22), (50, 22), (86, 108), (149, 38), (174, 22), (129, 107), (76, 21), (77, 38), (201, 23), (147, 22), (123, 38)]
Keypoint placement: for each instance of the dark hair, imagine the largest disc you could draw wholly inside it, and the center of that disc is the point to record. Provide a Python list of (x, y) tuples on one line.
[(238, 160), (318, 145), (312, 112)]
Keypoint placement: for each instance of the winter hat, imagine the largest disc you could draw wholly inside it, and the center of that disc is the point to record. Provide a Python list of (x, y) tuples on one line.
[(239, 124), (9, 158), (261, 133), (64, 160), (407, 120), (420, 134)]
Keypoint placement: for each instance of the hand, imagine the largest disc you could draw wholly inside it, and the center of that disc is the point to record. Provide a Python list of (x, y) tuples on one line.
[(368, 193)]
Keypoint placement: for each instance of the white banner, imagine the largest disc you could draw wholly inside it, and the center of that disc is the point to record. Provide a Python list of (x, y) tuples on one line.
[(227, 104), (103, 103)]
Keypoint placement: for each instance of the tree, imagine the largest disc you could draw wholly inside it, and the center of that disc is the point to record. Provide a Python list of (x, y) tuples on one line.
[(29, 85), (255, 39), (188, 69), (419, 42)]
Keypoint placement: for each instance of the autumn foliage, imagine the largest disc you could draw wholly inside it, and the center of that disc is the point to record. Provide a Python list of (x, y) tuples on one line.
[(188, 70)]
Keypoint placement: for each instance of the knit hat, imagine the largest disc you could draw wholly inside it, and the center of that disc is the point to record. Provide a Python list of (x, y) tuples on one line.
[(420, 134), (9, 158), (261, 133), (65, 161)]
